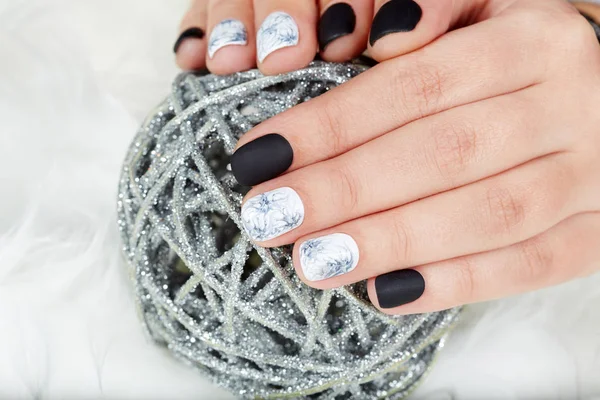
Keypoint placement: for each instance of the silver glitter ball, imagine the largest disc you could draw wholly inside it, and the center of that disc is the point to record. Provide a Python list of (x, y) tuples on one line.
[(234, 310)]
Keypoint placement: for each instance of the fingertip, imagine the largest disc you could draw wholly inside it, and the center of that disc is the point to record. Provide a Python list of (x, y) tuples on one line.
[(190, 54), (286, 60), (372, 292), (343, 29), (422, 22), (286, 39), (324, 284), (342, 49), (231, 59), (397, 292)]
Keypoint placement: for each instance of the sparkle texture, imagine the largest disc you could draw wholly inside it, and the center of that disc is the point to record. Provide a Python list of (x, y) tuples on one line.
[(233, 310)]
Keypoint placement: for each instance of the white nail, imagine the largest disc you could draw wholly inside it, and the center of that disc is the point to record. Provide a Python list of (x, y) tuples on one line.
[(271, 214), (277, 31), (225, 33), (328, 256)]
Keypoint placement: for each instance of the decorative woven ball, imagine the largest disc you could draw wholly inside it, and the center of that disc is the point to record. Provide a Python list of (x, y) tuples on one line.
[(234, 310)]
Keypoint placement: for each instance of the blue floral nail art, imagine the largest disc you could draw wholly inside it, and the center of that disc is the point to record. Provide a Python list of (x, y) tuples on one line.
[(225, 33), (277, 31), (271, 214), (328, 256)]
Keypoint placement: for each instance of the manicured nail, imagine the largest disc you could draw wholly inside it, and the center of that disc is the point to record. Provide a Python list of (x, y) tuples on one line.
[(196, 33), (337, 21), (395, 16), (271, 214), (261, 159), (399, 287), (328, 256), (225, 33), (277, 31)]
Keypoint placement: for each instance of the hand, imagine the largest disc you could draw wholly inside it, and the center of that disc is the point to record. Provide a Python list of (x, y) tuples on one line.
[(277, 35), (283, 35), (464, 171)]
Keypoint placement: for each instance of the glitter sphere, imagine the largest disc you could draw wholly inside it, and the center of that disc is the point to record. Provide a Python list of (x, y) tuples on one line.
[(236, 311)]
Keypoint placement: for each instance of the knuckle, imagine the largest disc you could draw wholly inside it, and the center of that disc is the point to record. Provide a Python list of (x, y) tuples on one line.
[(331, 124), (419, 89), (506, 210), (537, 259), (577, 33), (566, 36), (455, 146)]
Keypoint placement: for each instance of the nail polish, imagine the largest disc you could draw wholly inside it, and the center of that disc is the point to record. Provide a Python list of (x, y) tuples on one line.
[(328, 256), (277, 31), (226, 33), (271, 214), (395, 16), (262, 159), (337, 21), (399, 287), (196, 33)]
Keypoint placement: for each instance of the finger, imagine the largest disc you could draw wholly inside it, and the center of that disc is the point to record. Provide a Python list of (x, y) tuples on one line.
[(343, 28), (489, 214), (447, 74), (190, 46), (426, 157), (231, 44), (402, 26), (286, 38), (566, 251)]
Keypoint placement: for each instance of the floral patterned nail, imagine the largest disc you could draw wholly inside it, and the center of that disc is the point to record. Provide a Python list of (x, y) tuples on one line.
[(328, 256), (277, 31), (271, 214), (225, 33)]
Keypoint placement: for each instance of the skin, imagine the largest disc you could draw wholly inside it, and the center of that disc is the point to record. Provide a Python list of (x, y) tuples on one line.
[(207, 13), (476, 165)]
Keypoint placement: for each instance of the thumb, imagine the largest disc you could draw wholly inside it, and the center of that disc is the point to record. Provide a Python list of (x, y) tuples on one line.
[(402, 26)]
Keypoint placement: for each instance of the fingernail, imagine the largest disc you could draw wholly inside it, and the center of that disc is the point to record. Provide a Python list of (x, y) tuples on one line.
[(188, 33), (262, 159), (273, 213), (277, 31), (328, 256), (337, 21), (225, 33), (395, 16), (399, 287)]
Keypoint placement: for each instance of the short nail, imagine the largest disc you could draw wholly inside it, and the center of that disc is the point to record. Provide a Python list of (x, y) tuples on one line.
[(328, 256), (399, 287), (262, 159), (337, 21), (226, 33), (188, 33), (395, 16), (273, 213), (277, 31)]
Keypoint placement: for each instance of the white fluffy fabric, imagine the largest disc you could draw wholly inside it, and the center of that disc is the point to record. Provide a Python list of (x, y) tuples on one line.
[(76, 79)]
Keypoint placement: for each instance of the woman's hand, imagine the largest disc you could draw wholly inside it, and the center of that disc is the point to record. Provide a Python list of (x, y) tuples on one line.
[(464, 171), (275, 35)]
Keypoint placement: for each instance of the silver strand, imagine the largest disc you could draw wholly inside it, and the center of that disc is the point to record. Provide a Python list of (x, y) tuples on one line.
[(235, 311)]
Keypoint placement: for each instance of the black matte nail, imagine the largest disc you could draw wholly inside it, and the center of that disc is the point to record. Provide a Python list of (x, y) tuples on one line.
[(395, 16), (261, 159), (399, 287), (337, 21), (188, 33)]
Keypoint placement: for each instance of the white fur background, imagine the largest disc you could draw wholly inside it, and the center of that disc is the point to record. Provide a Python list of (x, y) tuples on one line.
[(76, 79)]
